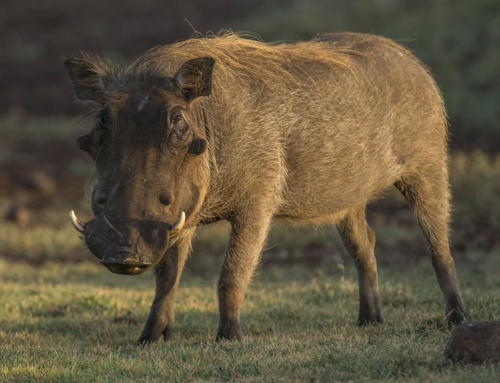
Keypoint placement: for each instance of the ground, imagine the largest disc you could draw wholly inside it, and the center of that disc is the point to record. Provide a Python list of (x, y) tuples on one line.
[(79, 323), (63, 317)]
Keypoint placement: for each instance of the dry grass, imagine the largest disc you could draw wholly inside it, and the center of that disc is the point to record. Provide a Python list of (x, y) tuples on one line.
[(59, 324), (64, 318)]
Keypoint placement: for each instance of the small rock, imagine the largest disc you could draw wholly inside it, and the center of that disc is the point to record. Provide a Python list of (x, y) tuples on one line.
[(475, 342)]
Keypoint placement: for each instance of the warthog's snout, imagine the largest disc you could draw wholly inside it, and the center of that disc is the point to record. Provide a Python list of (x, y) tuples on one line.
[(128, 254)]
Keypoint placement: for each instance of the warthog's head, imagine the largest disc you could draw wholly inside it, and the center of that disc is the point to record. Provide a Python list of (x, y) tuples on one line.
[(148, 151)]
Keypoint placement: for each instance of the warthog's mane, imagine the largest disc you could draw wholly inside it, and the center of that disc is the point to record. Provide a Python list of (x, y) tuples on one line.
[(244, 61), (278, 66)]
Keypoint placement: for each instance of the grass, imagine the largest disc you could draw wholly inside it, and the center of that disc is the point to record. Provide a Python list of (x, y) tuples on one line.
[(65, 318), (58, 324)]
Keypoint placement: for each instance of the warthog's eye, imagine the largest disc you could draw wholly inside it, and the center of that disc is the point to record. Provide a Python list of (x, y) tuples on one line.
[(178, 127), (90, 142), (102, 120), (100, 130), (177, 118)]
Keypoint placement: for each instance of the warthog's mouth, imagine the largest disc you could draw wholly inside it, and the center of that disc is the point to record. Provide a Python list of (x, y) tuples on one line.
[(125, 261)]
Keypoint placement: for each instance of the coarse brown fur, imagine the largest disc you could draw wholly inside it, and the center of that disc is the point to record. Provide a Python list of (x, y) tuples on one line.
[(307, 132)]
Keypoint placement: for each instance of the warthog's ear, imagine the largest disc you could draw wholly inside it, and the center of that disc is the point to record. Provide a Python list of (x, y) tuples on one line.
[(86, 79), (194, 78)]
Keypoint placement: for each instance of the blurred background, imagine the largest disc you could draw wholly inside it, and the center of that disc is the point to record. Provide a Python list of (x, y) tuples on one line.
[(43, 175)]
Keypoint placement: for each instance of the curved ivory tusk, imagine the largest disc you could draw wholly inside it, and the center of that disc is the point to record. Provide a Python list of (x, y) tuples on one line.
[(178, 226), (76, 222)]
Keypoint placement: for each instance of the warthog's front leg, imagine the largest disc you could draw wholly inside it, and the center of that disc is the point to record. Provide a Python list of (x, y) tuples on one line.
[(249, 231), (168, 274), (359, 239)]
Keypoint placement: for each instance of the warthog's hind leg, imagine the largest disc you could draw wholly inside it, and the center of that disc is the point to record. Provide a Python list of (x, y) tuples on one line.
[(359, 239), (428, 194)]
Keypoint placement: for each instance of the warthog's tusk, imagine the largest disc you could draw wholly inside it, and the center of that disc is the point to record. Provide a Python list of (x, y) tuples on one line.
[(178, 226), (76, 222)]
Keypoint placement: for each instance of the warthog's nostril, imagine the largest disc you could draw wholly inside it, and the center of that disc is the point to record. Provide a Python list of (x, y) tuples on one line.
[(167, 199)]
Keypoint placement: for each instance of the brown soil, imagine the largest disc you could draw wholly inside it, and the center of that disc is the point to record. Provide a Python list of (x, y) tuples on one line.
[(36, 36)]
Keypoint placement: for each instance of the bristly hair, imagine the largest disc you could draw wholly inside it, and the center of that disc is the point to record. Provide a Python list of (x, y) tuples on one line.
[(259, 76), (277, 66)]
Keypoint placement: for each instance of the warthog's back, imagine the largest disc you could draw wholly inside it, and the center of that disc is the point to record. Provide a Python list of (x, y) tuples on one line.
[(326, 124)]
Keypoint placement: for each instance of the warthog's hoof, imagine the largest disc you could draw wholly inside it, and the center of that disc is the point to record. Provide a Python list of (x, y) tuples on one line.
[(458, 316), (475, 342), (369, 319), (229, 331)]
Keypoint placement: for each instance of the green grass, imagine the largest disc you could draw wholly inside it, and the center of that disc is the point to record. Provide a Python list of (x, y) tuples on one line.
[(58, 306), (57, 324)]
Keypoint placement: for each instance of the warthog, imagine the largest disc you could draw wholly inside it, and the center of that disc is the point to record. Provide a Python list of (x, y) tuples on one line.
[(230, 128)]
